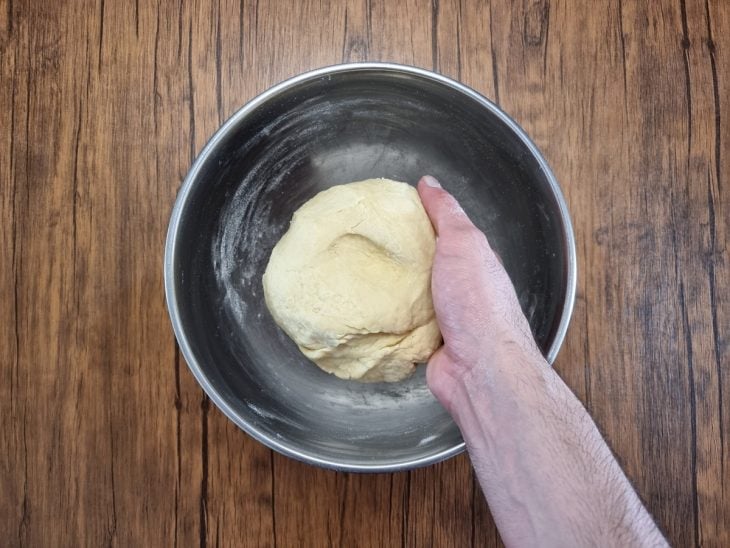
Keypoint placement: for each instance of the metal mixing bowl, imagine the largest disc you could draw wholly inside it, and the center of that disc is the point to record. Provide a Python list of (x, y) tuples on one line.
[(335, 125)]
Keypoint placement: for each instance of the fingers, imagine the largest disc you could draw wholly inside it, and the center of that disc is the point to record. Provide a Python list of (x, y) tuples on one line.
[(444, 211)]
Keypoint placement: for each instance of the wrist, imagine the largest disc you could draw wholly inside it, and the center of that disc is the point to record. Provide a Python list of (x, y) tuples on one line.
[(502, 376)]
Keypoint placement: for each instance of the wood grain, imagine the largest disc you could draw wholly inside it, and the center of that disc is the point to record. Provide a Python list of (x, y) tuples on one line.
[(105, 438)]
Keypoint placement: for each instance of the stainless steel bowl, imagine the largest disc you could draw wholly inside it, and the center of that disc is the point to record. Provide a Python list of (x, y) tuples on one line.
[(335, 125)]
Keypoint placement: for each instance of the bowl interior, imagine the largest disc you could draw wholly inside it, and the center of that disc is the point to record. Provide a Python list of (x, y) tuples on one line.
[(239, 198)]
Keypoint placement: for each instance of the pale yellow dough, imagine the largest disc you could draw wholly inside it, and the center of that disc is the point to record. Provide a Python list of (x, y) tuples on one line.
[(350, 281)]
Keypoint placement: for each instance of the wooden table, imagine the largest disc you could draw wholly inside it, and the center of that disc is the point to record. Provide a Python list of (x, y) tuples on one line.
[(105, 437)]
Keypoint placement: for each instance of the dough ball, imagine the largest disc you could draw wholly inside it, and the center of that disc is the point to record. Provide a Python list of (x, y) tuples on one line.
[(350, 281)]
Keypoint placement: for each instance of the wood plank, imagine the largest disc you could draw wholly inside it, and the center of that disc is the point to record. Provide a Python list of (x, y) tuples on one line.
[(401, 32), (168, 88), (63, 416), (13, 178), (701, 223)]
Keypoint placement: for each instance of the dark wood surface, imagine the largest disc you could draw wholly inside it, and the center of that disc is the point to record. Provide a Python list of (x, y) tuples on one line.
[(105, 438)]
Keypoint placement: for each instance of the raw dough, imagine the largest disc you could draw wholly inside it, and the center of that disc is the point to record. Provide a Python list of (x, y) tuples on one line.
[(350, 281)]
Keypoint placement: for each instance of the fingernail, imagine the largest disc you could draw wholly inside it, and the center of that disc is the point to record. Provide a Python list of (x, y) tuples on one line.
[(431, 181)]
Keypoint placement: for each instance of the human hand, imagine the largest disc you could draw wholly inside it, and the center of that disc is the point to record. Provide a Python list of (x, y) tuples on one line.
[(539, 457), (475, 302)]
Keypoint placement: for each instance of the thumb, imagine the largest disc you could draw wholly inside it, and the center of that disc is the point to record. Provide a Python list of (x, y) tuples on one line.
[(442, 378), (442, 208)]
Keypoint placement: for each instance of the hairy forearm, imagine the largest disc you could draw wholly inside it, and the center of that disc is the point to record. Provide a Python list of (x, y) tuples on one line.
[(549, 477)]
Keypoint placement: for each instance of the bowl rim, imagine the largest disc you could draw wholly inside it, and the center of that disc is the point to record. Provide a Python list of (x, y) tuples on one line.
[(189, 182)]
